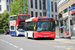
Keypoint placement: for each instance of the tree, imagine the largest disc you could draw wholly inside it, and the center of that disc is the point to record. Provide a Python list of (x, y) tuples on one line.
[(17, 7), (4, 18)]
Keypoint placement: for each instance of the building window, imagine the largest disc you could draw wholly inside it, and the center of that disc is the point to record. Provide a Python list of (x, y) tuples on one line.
[(36, 14), (0, 7), (65, 10), (51, 6), (73, 5), (55, 17), (40, 4), (40, 14), (44, 4), (60, 15), (52, 15), (7, 8), (7, 0), (73, 14), (55, 7), (0, 0), (36, 4), (12, 27), (32, 14), (31, 3), (44, 13)]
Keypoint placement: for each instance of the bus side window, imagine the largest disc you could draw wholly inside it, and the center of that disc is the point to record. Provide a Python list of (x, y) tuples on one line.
[(12, 27), (25, 27), (30, 26)]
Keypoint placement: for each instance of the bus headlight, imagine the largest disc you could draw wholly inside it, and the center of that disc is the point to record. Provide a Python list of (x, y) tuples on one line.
[(52, 35), (38, 34)]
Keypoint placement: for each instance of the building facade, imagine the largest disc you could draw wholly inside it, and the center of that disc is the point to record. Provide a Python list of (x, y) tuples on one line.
[(40, 8), (4, 5), (66, 8), (36, 7)]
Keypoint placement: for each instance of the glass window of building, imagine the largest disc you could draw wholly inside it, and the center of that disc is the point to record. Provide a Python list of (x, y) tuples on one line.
[(52, 6), (73, 5), (40, 4), (7, 0), (40, 14), (36, 4), (7, 7), (0, 7), (55, 17), (44, 4), (31, 3), (65, 10), (32, 14), (44, 13), (0, 0), (55, 7), (52, 15), (36, 14)]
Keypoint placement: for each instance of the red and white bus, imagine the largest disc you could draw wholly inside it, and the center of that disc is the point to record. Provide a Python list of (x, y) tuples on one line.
[(16, 24), (40, 27)]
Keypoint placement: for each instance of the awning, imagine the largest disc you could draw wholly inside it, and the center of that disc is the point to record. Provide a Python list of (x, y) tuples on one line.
[(72, 12)]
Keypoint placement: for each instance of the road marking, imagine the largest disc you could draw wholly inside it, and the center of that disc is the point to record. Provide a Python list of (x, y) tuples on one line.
[(21, 49), (11, 44)]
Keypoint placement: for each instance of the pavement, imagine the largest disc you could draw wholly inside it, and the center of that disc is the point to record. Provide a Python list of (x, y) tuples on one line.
[(72, 38)]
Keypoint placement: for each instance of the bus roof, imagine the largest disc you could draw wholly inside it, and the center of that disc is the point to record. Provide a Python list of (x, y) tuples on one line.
[(36, 18), (23, 14), (18, 15), (13, 15), (30, 19)]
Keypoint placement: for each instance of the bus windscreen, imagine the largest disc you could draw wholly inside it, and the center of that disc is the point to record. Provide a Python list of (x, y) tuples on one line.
[(21, 22), (23, 17), (45, 19), (45, 26)]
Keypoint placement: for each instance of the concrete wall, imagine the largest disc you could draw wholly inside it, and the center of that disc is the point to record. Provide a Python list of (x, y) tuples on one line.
[(64, 6), (3, 6), (38, 10)]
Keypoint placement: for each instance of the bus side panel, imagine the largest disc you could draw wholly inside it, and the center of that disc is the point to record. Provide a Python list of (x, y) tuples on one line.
[(20, 33), (12, 27), (30, 34), (12, 33), (44, 34)]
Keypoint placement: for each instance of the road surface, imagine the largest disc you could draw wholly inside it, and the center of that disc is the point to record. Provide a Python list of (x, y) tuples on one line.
[(8, 42)]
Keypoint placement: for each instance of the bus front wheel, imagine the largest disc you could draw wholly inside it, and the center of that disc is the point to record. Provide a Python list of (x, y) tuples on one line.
[(33, 36), (27, 36)]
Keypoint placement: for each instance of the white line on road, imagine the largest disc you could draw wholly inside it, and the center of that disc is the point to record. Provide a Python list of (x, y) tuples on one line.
[(21, 49), (10, 44)]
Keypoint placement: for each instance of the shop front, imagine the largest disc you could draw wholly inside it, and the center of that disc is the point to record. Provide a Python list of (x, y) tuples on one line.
[(67, 26)]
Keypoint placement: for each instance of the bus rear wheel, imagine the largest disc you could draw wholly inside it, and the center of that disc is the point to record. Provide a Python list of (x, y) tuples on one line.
[(52, 38), (33, 36), (27, 36)]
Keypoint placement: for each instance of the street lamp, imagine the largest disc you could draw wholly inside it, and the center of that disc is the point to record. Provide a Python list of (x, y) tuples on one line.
[(24, 6)]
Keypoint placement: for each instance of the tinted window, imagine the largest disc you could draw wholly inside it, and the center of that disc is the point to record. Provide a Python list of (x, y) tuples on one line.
[(12, 27)]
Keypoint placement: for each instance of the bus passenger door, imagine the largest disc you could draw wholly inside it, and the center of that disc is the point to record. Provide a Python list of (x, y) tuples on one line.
[(12, 30)]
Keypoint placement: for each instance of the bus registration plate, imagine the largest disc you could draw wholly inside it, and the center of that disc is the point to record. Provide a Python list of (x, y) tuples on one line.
[(45, 36)]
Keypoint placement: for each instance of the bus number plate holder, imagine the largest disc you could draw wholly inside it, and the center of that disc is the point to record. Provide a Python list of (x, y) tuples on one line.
[(45, 36)]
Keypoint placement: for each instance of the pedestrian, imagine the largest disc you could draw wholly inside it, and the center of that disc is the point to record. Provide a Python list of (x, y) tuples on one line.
[(5, 31)]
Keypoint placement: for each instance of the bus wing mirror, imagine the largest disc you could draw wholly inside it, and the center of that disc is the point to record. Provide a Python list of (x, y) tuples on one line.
[(55, 22), (34, 28), (16, 27)]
